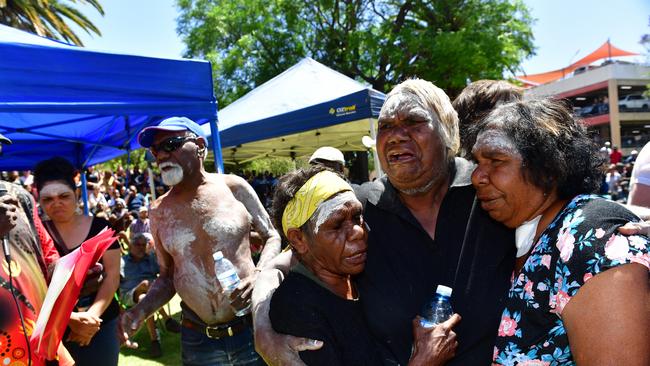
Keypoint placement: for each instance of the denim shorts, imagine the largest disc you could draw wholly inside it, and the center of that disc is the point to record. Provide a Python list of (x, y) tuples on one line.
[(200, 350)]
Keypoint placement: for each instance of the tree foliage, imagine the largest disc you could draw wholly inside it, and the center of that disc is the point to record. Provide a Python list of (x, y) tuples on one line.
[(48, 18), (381, 42)]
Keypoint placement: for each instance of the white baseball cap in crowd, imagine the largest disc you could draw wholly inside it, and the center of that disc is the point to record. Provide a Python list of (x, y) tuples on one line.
[(327, 153)]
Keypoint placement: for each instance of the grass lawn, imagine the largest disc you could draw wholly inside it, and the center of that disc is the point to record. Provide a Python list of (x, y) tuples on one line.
[(170, 342)]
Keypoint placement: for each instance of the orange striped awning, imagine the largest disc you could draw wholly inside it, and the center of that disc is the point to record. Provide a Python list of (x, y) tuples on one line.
[(606, 50)]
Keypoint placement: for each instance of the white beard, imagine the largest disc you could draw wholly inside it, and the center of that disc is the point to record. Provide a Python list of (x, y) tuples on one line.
[(173, 176)]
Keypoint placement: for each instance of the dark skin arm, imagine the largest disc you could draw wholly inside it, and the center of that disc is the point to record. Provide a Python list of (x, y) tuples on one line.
[(608, 320), (261, 222), (275, 348), (84, 325), (161, 291)]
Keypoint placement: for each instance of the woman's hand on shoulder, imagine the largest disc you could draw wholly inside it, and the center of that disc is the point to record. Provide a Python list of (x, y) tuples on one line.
[(635, 228), (435, 345), (282, 349)]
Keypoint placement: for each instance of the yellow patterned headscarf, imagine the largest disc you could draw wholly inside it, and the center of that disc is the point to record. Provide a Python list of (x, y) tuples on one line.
[(315, 191)]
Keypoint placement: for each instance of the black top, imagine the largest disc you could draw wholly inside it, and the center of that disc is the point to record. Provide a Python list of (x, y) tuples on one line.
[(86, 298), (472, 254), (303, 307)]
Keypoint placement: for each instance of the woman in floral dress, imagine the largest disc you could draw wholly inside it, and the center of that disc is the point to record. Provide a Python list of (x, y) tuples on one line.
[(580, 289)]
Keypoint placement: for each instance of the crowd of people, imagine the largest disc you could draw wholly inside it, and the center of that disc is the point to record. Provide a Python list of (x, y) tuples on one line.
[(491, 195)]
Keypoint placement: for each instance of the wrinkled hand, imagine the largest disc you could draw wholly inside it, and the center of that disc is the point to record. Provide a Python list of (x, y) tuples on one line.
[(240, 298), (635, 228), (129, 323), (83, 327), (436, 345), (280, 349), (8, 214)]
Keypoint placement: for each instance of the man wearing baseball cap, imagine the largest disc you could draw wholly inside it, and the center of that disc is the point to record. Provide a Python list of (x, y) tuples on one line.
[(202, 213), (328, 156)]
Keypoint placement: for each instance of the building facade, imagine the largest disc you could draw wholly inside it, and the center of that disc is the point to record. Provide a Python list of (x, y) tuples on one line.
[(610, 100)]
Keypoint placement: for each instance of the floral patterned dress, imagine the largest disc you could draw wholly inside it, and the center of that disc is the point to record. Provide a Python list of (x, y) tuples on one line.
[(581, 242)]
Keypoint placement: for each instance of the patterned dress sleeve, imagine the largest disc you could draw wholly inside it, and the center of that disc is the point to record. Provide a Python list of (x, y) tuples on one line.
[(589, 243)]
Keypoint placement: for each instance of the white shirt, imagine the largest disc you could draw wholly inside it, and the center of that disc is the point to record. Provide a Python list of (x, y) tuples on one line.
[(641, 171)]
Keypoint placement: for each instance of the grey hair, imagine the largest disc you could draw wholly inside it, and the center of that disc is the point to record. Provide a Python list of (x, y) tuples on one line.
[(434, 98)]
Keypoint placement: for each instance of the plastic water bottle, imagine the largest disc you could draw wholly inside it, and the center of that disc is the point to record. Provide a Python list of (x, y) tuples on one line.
[(228, 278), (439, 309)]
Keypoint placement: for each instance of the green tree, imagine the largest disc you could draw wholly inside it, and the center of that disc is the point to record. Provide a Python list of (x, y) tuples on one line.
[(381, 42), (48, 18)]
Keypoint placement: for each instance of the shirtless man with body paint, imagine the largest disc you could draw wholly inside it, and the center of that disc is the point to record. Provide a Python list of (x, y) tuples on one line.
[(201, 214)]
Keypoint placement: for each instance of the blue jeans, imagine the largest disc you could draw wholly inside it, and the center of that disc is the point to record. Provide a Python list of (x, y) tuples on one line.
[(103, 350), (200, 350)]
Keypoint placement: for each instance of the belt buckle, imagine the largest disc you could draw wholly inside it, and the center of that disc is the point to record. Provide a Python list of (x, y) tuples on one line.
[(208, 332)]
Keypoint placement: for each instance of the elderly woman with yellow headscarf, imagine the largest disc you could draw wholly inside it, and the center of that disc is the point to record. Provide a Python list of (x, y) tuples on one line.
[(321, 218)]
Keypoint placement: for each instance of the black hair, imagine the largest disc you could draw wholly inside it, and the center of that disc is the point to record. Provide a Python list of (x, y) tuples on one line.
[(139, 237), (54, 169), (554, 145), (475, 102)]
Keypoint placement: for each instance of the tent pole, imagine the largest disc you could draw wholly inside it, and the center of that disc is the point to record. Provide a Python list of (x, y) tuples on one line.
[(128, 164), (216, 146), (152, 186), (373, 134), (84, 181), (127, 127), (84, 191)]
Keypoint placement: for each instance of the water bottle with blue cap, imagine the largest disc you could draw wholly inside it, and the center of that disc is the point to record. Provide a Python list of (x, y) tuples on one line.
[(228, 278)]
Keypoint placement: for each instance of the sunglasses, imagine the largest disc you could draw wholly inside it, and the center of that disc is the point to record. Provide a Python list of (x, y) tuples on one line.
[(170, 144)]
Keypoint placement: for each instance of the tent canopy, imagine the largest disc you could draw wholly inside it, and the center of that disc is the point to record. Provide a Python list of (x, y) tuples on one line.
[(307, 106), (606, 50), (87, 106)]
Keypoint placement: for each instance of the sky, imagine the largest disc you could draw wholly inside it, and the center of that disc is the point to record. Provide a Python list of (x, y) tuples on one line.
[(564, 30)]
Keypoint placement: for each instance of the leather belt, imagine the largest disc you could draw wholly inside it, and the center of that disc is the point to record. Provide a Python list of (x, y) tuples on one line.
[(220, 330)]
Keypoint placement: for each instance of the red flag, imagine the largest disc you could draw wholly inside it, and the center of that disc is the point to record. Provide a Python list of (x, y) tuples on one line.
[(63, 292)]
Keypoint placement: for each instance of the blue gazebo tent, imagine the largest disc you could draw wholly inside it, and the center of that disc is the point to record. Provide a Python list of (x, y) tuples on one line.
[(87, 106), (307, 106)]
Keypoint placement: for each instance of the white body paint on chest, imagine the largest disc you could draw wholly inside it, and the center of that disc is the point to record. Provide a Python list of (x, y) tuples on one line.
[(223, 225)]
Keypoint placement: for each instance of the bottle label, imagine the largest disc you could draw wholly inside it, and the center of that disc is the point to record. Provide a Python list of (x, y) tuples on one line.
[(228, 280), (426, 323)]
